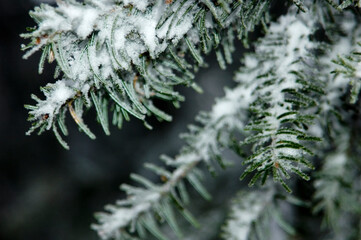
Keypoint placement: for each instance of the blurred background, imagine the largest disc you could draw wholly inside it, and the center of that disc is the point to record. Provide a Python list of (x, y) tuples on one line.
[(47, 192)]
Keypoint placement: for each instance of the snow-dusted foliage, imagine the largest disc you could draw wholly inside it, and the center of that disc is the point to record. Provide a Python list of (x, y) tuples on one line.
[(129, 52), (349, 63), (247, 210), (275, 83), (337, 183), (204, 145), (338, 188), (296, 96), (282, 94)]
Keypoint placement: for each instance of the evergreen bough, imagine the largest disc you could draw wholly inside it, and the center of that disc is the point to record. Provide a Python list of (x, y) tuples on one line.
[(295, 106)]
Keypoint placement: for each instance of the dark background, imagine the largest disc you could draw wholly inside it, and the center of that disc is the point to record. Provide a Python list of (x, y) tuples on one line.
[(47, 192)]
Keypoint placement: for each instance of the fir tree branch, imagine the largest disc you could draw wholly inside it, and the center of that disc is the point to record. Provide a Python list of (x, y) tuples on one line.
[(229, 115), (107, 58), (336, 188), (337, 191), (349, 65), (204, 144), (285, 99), (248, 215), (130, 52)]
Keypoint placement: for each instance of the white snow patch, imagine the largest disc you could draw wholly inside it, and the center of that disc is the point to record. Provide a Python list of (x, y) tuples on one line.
[(89, 16), (146, 27), (55, 99), (61, 92)]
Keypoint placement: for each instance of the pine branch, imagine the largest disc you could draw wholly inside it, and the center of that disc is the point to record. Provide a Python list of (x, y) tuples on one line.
[(229, 116), (284, 100), (339, 33), (337, 190), (248, 215), (204, 144), (349, 66), (254, 215), (121, 55), (336, 187)]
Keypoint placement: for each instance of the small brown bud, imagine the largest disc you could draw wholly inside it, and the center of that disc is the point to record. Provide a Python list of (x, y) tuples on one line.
[(163, 178), (276, 165), (45, 116)]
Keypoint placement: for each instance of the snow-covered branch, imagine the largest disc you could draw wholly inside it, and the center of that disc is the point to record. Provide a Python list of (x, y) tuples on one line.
[(204, 144), (247, 210), (291, 93), (130, 52), (285, 98)]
